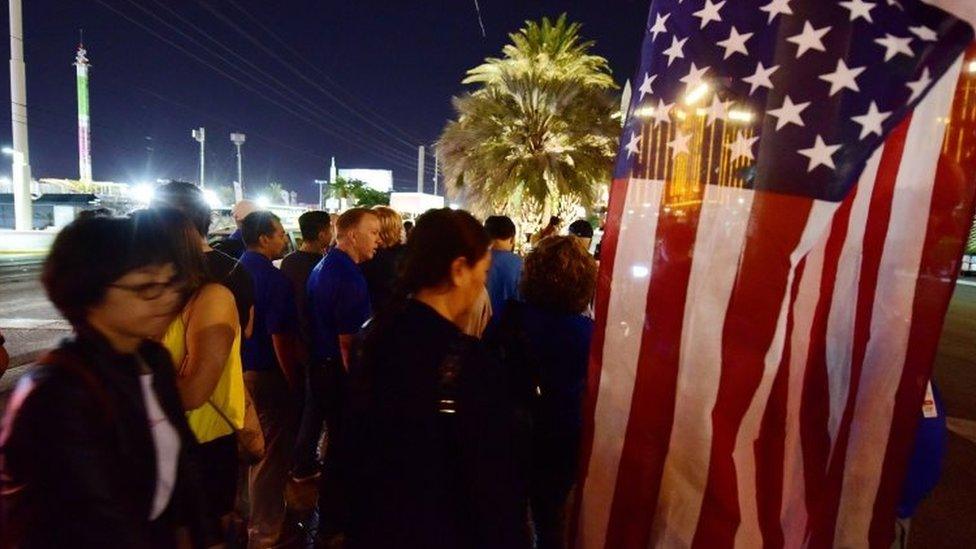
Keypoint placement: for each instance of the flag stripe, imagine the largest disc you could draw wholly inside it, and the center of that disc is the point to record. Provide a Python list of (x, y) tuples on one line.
[(620, 350), (652, 408), (719, 240)]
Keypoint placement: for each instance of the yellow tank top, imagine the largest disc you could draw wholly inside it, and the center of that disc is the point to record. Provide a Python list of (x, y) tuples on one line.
[(205, 422)]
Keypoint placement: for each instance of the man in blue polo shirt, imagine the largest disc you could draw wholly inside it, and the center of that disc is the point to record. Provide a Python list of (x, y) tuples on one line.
[(271, 357), (338, 307), (506, 266)]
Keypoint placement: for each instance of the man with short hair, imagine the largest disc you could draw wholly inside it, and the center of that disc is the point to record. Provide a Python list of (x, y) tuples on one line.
[(316, 228), (234, 245), (271, 358), (583, 231), (506, 266), (187, 198), (339, 304)]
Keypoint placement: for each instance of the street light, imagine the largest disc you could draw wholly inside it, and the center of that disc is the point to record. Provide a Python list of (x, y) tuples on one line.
[(7, 151)]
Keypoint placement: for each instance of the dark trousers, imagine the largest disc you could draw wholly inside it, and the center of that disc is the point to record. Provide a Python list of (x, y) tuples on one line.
[(553, 476), (278, 413)]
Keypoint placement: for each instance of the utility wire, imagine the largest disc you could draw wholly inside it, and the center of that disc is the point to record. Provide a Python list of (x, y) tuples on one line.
[(481, 23)]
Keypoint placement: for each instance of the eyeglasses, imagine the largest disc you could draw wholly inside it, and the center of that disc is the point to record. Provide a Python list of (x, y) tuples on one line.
[(152, 290)]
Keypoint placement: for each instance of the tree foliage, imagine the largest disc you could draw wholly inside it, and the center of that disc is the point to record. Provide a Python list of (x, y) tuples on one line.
[(358, 193), (537, 136)]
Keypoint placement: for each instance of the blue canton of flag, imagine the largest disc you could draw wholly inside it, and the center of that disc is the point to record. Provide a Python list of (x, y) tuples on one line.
[(790, 96)]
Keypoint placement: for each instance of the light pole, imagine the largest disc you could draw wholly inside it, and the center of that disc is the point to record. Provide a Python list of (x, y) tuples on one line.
[(238, 139), (20, 167), (200, 134), (322, 183)]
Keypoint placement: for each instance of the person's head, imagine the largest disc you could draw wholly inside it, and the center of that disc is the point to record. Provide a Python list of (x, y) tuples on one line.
[(501, 229), (358, 233), (124, 277), (316, 227), (555, 222), (391, 226), (262, 233), (94, 212), (187, 198), (407, 227), (559, 275), (447, 254), (582, 230), (242, 209)]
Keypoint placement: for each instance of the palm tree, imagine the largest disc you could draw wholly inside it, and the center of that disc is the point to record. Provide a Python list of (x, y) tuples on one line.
[(537, 137)]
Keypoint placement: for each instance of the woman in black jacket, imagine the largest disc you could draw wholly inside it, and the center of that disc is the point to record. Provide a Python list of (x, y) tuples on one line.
[(94, 445), (432, 449)]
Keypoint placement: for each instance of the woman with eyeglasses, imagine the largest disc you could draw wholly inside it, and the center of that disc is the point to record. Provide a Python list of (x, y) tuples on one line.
[(95, 446)]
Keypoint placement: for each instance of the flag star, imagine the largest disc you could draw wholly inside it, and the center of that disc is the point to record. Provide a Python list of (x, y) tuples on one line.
[(809, 39), (735, 43), (859, 8), (871, 121), (719, 110), (676, 50), (742, 147), (842, 77), (924, 33), (820, 154), (658, 27), (760, 79), (662, 112), (894, 45), (680, 143), (633, 146), (919, 85), (694, 78), (788, 113), (894, 3), (645, 87), (777, 7), (709, 12)]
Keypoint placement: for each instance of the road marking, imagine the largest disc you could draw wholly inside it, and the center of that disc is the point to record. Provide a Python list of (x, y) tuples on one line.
[(966, 428), (33, 324), (965, 282)]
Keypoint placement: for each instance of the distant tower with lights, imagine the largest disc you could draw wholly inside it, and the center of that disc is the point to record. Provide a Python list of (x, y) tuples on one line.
[(84, 121)]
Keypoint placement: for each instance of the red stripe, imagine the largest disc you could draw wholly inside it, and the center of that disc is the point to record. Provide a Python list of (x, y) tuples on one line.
[(950, 217), (879, 216), (608, 253), (750, 324), (652, 405), (770, 447), (815, 399)]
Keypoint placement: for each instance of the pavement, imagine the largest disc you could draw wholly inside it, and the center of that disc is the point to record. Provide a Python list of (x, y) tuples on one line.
[(944, 520)]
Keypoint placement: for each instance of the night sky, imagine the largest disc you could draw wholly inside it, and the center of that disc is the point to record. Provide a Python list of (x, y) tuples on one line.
[(397, 63)]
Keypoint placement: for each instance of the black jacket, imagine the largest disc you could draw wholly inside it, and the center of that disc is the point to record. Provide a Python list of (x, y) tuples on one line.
[(77, 457), (420, 477)]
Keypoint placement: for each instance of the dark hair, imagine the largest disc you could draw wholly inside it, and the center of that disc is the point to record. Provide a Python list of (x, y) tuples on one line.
[(554, 221), (500, 227), (440, 237), (350, 219), (256, 225), (311, 223), (559, 275), (408, 226), (581, 228), (187, 198), (95, 212), (90, 254)]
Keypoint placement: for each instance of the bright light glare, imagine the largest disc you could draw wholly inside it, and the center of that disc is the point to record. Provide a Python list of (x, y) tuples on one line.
[(971, 67), (7, 150), (697, 94), (262, 201), (644, 112), (211, 197), (741, 116), (142, 192), (639, 271)]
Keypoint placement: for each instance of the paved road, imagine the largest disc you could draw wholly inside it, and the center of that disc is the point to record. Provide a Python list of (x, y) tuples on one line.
[(947, 519)]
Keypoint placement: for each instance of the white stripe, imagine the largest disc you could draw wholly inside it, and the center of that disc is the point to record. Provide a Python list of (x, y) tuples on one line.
[(892, 315), (722, 226), (749, 534), (793, 516), (843, 305), (625, 325)]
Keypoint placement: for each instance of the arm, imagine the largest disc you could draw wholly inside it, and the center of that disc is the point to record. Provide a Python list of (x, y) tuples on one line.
[(282, 324), (210, 334), (352, 311), (345, 347), (287, 349)]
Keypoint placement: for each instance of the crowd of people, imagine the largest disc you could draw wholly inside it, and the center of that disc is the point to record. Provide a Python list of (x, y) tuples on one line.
[(391, 384)]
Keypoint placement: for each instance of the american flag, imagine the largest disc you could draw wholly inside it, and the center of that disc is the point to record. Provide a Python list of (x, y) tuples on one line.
[(792, 193)]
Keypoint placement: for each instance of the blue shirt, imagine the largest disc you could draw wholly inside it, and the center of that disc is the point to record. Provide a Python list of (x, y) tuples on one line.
[(503, 278), (274, 312), (338, 302)]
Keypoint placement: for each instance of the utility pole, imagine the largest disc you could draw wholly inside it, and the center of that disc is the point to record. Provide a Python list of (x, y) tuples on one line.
[(20, 168), (420, 169), (322, 184), (200, 134), (437, 166), (237, 139), (84, 120)]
